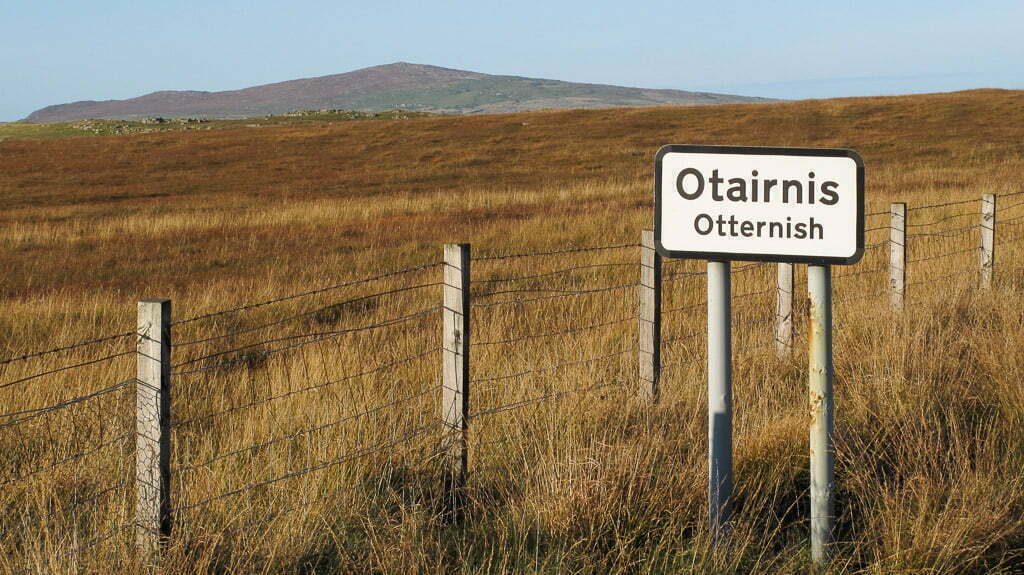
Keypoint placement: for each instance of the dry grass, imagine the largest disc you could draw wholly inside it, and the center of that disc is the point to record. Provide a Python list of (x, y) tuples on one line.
[(929, 404)]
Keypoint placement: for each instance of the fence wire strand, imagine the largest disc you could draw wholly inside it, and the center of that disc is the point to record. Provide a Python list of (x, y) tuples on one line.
[(310, 430), (497, 257), (305, 314), (66, 368), (312, 468), (70, 347), (563, 294), (316, 338), (30, 414), (317, 291), (585, 328), (556, 272), (379, 368)]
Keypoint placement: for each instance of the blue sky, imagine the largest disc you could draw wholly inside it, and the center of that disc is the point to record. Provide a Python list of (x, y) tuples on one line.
[(54, 52)]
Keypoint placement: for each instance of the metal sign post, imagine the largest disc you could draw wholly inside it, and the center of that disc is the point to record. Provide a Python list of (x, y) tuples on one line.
[(719, 395), (787, 205), (819, 288)]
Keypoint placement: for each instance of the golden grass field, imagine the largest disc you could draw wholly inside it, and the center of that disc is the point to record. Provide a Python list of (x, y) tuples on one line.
[(569, 471)]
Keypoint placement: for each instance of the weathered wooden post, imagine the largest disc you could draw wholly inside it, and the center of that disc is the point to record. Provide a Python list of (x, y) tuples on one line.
[(784, 310), (650, 318), (153, 426), (455, 360), (897, 254), (988, 239)]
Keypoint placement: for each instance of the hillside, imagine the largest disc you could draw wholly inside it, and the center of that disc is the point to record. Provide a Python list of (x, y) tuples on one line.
[(307, 369), (401, 85)]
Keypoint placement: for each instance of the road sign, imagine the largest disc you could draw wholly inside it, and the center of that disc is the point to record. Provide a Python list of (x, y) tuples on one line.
[(797, 205)]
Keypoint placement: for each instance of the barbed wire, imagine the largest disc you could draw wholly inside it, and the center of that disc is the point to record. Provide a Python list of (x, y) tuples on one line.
[(546, 397), (92, 498), (943, 277), (940, 220), (496, 257), (943, 205), (860, 272), (670, 276), (254, 403), (945, 233), (329, 494), (1009, 207), (306, 314), (351, 283), (310, 430), (544, 290), (685, 307), (563, 294), (66, 368), (317, 337), (682, 337), (748, 267), (859, 297), (552, 368), (76, 457), (31, 414), (69, 347), (554, 333), (312, 468), (1007, 222), (944, 255), (556, 272)]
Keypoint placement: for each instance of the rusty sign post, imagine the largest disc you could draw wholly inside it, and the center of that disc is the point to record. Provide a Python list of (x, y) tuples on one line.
[(819, 368), (786, 205)]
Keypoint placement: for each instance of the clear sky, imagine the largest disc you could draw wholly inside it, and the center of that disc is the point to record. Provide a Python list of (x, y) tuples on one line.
[(55, 52)]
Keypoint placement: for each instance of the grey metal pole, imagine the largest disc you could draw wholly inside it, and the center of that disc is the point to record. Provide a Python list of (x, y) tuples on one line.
[(719, 396), (819, 287)]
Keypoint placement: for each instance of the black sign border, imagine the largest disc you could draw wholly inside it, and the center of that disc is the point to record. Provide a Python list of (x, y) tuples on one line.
[(759, 151)]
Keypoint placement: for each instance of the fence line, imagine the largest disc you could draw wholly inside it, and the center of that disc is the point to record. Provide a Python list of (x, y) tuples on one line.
[(456, 414)]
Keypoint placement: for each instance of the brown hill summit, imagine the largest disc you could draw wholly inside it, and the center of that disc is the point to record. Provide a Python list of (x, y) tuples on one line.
[(400, 85)]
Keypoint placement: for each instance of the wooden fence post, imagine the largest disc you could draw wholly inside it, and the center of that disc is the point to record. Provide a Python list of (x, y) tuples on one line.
[(988, 239), (153, 426), (784, 310), (897, 254), (650, 318), (455, 372)]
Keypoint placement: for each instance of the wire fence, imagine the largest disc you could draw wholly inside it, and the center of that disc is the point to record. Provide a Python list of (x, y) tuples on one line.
[(294, 401)]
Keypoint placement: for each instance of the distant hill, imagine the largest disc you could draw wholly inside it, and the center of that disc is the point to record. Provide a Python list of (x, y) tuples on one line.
[(395, 86)]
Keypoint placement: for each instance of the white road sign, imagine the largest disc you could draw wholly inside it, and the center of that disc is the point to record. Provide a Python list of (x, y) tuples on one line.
[(797, 205)]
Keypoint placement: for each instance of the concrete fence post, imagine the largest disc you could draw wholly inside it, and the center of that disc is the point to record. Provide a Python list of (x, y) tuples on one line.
[(455, 374), (784, 310), (650, 319), (988, 239), (897, 254), (153, 426)]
